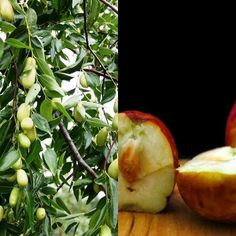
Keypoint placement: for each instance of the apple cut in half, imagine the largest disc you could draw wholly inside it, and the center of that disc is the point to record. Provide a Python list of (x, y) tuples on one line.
[(147, 161), (207, 184)]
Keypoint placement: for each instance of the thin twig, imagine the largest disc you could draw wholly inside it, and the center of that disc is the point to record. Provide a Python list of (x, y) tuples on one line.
[(62, 184), (15, 89), (110, 5), (86, 36), (108, 155), (100, 73), (105, 115), (88, 45), (74, 150), (112, 45)]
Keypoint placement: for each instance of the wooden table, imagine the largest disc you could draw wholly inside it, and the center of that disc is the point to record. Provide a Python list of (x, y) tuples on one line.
[(176, 220)]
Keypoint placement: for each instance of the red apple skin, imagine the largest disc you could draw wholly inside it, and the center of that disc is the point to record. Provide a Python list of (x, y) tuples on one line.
[(138, 116), (211, 195), (230, 137)]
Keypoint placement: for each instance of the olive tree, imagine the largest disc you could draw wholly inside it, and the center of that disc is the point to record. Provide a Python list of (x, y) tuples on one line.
[(58, 117)]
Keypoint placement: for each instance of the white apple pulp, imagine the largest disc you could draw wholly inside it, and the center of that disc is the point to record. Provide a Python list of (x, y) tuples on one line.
[(222, 160), (146, 164)]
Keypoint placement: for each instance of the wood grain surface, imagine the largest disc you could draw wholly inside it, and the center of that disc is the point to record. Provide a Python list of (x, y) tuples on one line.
[(176, 220)]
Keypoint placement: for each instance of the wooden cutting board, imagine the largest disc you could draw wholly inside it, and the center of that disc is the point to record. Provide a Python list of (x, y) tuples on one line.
[(176, 220)]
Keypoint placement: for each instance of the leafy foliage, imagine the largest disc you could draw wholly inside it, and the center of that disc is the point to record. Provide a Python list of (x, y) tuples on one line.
[(72, 59)]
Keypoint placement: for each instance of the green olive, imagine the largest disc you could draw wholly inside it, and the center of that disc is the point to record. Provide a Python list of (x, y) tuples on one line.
[(79, 113), (12, 178), (96, 188), (14, 196), (22, 178), (28, 78), (17, 165), (101, 136), (6, 10), (27, 123), (113, 169), (105, 231), (54, 105), (31, 134), (115, 107), (30, 64), (40, 213), (24, 140), (83, 81), (23, 111), (1, 213)]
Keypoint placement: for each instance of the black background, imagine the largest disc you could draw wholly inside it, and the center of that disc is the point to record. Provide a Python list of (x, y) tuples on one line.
[(177, 62)]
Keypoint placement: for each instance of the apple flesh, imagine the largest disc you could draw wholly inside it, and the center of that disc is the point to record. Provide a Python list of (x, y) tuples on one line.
[(230, 135), (207, 184), (147, 161)]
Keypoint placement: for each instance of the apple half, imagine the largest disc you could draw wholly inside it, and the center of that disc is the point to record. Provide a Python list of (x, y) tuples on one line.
[(147, 162), (207, 184), (230, 134)]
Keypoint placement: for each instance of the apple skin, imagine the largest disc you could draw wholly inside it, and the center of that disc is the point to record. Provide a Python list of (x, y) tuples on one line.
[(140, 117), (230, 134), (145, 171), (210, 194)]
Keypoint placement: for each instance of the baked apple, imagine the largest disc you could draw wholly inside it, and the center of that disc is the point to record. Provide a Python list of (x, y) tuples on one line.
[(207, 184), (147, 161)]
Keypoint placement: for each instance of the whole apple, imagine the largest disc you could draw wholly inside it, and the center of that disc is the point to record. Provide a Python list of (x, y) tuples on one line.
[(147, 161)]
